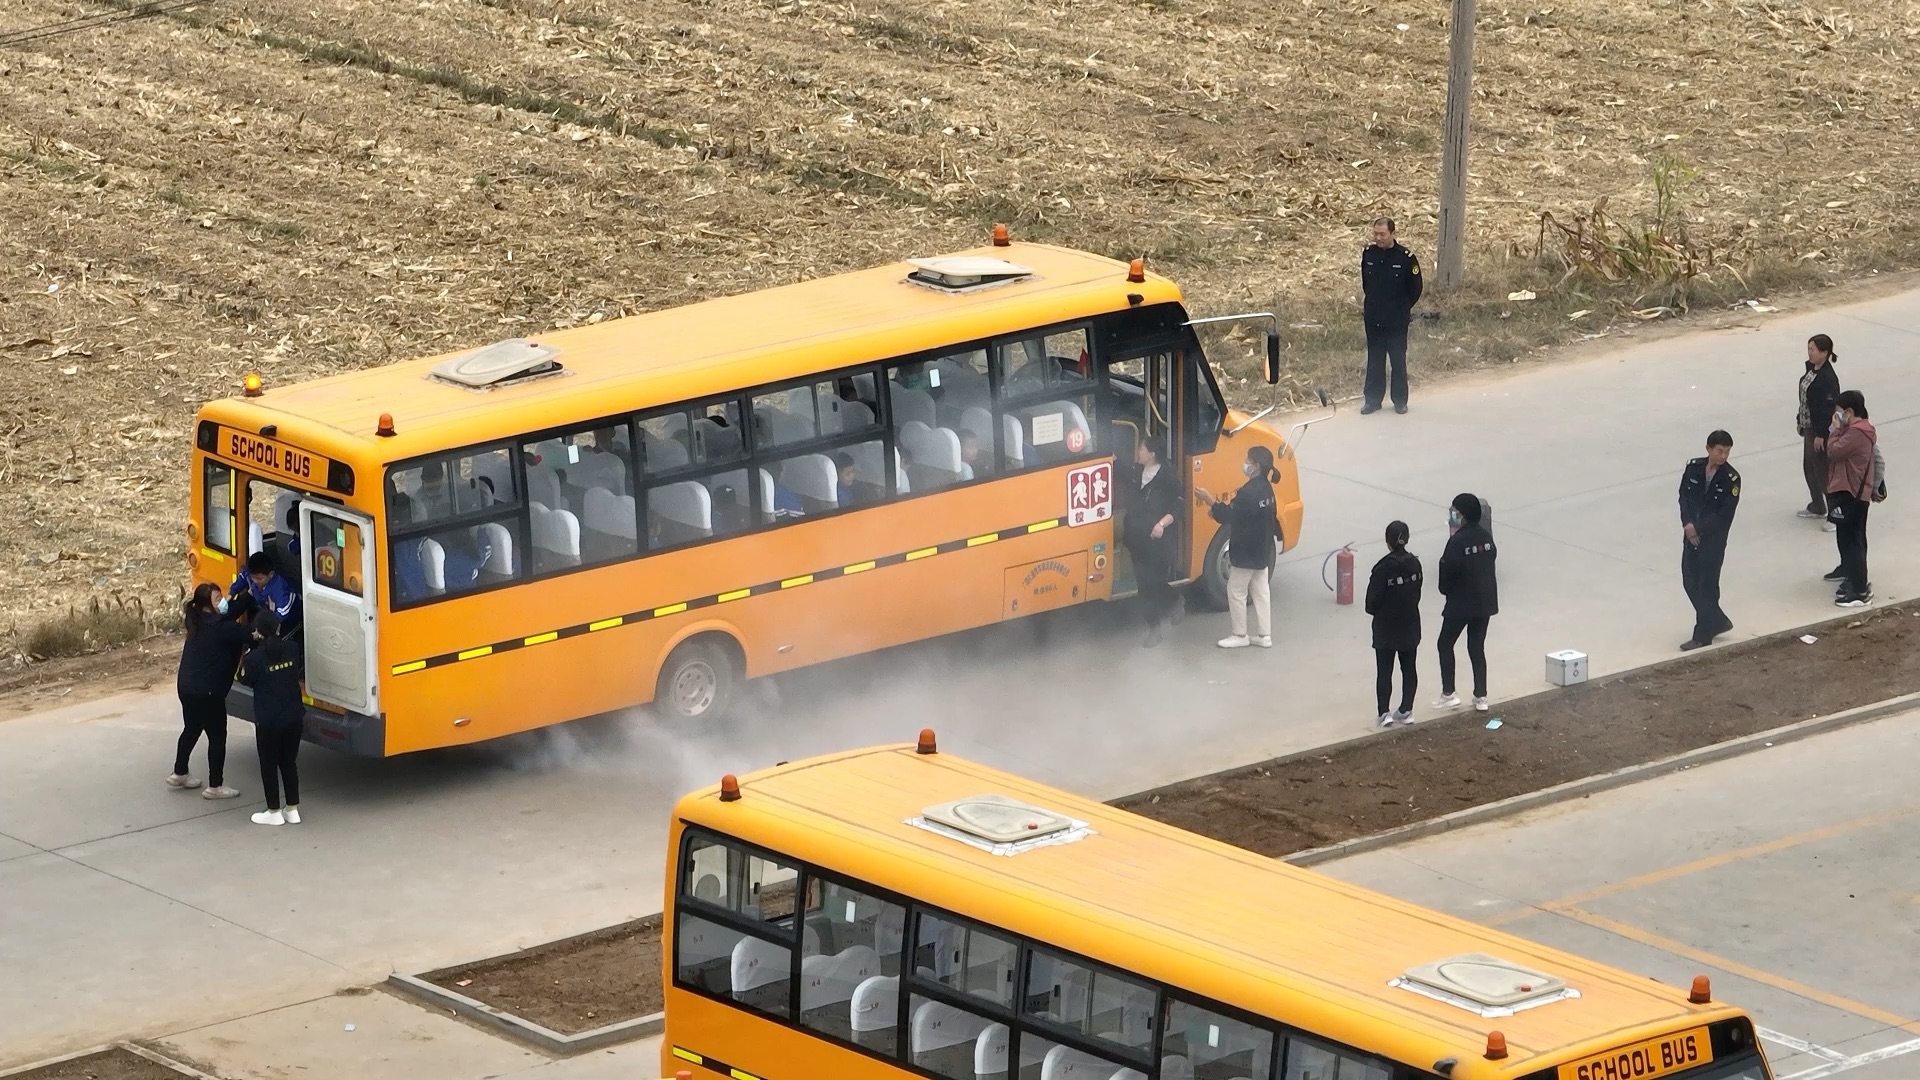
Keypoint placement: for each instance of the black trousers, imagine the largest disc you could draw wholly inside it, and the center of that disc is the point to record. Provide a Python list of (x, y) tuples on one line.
[(279, 745), (1700, 576), (203, 713), (1450, 628), (1386, 344), (1152, 570), (1383, 659), (1849, 517), (1813, 465)]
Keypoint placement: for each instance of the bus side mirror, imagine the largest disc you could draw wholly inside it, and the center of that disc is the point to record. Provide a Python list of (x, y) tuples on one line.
[(1273, 358)]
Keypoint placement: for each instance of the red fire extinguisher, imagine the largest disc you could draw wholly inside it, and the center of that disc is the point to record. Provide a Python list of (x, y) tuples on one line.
[(1342, 583)]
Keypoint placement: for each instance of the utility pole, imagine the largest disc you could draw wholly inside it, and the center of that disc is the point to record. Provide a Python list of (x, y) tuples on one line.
[(1453, 154)]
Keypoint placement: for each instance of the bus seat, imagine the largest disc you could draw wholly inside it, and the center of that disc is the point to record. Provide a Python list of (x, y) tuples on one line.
[(283, 504), (766, 495), (253, 538), (498, 540), (433, 566), (707, 887), (830, 980), (1013, 442), (863, 387), (661, 455), (833, 415), (990, 1051), (703, 944), (855, 415), (890, 930), (759, 973), (609, 526), (1129, 1074), (814, 479), (556, 539), (605, 470), (875, 1006), (1175, 1067), (784, 427), (680, 512), (935, 1026), (868, 470), (1062, 1063), (935, 452), (543, 487), (715, 442), (912, 404)]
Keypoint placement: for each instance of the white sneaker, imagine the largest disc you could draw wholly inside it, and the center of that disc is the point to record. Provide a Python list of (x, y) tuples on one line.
[(221, 792), (1386, 719), (1235, 641), (269, 817), (1404, 716), (1263, 642), (1447, 701), (1805, 513), (183, 782), (1828, 526), (1480, 704), (293, 815)]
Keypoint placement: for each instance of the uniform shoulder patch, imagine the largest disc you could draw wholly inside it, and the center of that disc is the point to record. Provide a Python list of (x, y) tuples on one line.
[(1416, 264)]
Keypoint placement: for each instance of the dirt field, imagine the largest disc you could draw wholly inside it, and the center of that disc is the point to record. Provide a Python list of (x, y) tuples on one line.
[(301, 188), (115, 1064), (1410, 774)]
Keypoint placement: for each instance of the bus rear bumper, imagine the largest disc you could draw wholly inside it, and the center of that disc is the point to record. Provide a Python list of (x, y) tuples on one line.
[(349, 733)]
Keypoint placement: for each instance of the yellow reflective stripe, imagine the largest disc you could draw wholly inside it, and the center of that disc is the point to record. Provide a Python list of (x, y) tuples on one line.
[(472, 653), (606, 624), (858, 568), (670, 609), (688, 1055), (402, 669), (742, 1074), (987, 539), (212, 554), (541, 639), (1043, 526), (922, 553), (737, 594), (796, 582)]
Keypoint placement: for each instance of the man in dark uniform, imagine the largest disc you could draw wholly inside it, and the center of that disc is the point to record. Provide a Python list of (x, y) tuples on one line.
[(1390, 283), (1709, 494)]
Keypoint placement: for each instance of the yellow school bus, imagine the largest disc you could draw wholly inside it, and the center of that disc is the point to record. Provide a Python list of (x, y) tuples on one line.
[(658, 507), (898, 912)]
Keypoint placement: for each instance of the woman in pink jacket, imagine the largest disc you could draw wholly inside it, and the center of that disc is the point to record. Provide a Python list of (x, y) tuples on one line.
[(1850, 484)]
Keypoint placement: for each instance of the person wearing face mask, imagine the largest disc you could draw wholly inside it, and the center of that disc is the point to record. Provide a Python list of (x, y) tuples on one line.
[(1253, 523), (1151, 514), (215, 642), (1709, 495), (1393, 599), (1819, 386), (1473, 598), (1850, 490)]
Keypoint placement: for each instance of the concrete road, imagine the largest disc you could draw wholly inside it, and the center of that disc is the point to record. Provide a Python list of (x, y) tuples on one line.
[(129, 910), (1790, 877)]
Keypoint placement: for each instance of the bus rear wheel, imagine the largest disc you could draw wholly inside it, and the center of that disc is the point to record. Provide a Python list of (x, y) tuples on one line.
[(700, 681)]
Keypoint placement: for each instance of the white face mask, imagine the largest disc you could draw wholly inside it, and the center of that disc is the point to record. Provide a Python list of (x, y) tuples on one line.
[(1839, 418), (1453, 518), (1249, 468), (221, 607)]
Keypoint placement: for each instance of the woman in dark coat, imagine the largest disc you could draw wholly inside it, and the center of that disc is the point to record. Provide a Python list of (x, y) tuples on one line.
[(215, 642), (1393, 599), (1153, 509)]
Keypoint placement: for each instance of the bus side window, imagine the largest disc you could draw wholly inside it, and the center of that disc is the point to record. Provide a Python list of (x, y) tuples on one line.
[(1046, 400), (1309, 1060), (850, 938), (216, 517), (1197, 1042)]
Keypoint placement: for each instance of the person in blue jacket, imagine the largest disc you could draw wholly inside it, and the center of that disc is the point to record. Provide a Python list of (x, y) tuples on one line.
[(271, 591)]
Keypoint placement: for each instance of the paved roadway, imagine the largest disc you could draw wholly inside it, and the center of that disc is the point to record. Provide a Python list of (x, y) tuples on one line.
[(1790, 877), (130, 910)]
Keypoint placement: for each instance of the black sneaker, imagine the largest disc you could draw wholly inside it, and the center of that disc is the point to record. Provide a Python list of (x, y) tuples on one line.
[(1838, 573), (1855, 600), (1401, 409), (1692, 644), (1369, 408)]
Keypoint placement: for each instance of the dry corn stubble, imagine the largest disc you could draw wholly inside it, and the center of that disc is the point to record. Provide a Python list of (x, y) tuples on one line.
[(308, 188)]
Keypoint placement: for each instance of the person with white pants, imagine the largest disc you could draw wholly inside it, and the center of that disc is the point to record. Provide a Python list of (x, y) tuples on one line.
[(1253, 530)]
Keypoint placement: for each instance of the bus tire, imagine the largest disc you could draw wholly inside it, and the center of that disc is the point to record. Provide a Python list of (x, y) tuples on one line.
[(699, 682), (1210, 591)]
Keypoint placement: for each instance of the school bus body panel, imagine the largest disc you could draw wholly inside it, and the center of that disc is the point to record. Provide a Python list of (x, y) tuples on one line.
[(1205, 917)]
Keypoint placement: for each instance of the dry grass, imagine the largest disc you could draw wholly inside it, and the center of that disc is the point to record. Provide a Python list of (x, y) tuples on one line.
[(94, 628), (306, 187)]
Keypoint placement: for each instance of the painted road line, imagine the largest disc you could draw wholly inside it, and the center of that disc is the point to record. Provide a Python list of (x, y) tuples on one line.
[(1799, 1045), (1846, 1063)]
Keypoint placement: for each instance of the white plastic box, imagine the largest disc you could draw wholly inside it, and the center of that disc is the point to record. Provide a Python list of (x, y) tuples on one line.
[(1568, 667)]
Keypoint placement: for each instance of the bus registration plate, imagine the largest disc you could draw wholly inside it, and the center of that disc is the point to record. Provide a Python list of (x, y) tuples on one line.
[(1645, 1060), (265, 457)]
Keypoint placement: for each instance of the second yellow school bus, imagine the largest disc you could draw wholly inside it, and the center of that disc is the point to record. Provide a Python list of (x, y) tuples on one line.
[(658, 507), (898, 912)]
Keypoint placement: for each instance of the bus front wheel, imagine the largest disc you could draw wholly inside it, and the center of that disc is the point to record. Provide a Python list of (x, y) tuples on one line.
[(700, 681), (1211, 588)]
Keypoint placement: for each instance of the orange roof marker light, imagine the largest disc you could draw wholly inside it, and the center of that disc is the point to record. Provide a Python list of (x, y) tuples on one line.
[(1137, 270), (1496, 1045), (385, 428), (729, 788), (928, 745), (1001, 238), (1702, 992), (250, 386)]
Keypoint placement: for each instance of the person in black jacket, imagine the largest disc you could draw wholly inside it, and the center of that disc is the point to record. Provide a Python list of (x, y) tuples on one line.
[(1153, 510), (215, 640), (1252, 519), (1709, 495), (1393, 599), (1390, 285), (1819, 386), (274, 669), (1473, 597)]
